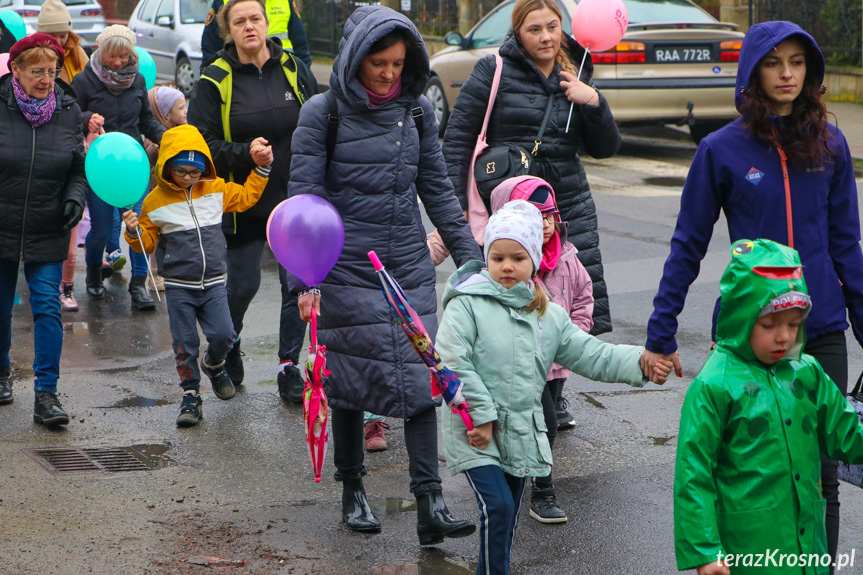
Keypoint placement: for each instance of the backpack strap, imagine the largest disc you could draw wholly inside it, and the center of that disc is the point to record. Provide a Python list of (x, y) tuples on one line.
[(417, 114), (333, 121)]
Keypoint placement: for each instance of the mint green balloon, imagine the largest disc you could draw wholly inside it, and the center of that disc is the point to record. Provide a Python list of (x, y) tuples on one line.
[(117, 169), (146, 66), (14, 23)]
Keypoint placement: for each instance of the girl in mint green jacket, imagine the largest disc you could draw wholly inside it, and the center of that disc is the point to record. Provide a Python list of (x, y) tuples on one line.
[(500, 335)]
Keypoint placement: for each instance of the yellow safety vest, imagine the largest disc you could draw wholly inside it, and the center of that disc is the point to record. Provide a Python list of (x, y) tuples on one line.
[(279, 15)]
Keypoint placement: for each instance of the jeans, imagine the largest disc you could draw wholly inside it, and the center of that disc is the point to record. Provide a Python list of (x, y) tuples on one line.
[(43, 279), (101, 224), (244, 279), (499, 497), (420, 440), (116, 226), (832, 353), (549, 412), (186, 309)]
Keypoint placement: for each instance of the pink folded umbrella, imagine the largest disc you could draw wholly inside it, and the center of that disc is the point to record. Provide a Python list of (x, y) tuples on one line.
[(315, 400)]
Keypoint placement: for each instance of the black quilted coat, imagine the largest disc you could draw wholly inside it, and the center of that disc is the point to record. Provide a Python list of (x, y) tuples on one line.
[(40, 169), (519, 108), (379, 168)]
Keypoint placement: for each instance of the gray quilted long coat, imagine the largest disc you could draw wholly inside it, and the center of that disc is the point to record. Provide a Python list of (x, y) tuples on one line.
[(378, 170)]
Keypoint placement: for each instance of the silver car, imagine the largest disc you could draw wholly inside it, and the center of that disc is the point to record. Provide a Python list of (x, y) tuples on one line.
[(170, 30), (88, 19)]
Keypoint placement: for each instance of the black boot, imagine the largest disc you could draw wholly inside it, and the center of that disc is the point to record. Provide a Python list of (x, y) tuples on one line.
[(356, 513), (223, 387), (95, 288), (234, 364), (48, 411), (434, 521), (291, 385), (138, 291), (543, 506), (6, 386)]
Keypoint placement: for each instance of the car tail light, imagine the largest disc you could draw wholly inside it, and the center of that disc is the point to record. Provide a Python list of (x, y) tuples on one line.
[(729, 51), (28, 13), (92, 12), (623, 53)]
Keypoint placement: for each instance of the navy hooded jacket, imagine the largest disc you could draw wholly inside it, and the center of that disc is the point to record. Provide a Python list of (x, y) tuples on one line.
[(742, 175)]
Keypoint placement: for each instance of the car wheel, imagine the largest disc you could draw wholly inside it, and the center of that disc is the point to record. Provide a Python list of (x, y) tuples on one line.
[(701, 129), (435, 95), (184, 76)]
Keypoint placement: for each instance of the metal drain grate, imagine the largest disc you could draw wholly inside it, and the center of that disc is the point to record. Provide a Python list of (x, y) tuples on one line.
[(92, 460)]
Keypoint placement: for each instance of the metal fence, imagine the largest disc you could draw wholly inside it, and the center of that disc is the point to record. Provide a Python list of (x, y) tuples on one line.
[(325, 19), (837, 25)]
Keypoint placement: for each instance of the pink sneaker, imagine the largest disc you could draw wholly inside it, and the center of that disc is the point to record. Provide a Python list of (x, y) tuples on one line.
[(67, 298)]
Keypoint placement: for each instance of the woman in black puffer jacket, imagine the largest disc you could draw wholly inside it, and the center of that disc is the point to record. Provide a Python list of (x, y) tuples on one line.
[(540, 61), (41, 199)]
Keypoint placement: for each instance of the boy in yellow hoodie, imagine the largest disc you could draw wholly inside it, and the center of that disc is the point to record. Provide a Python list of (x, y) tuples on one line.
[(181, 220)]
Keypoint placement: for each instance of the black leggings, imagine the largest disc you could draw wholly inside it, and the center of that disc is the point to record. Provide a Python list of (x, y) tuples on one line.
[(549, 411), (832, 353)]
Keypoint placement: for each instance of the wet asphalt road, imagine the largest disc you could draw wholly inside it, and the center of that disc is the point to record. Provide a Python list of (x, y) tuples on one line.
[(239, 486)]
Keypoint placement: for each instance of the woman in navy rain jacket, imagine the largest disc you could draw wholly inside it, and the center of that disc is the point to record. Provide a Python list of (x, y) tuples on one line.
[(739, 169)]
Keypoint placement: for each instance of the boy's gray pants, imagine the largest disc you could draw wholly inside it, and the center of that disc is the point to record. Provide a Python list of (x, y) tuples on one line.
[(186, 309)]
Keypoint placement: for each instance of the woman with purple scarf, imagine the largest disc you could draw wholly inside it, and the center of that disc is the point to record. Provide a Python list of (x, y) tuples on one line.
[(41, 200), (113, 96)]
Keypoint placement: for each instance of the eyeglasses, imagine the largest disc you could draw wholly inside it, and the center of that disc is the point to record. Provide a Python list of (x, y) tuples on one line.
[(551, 217), (182, 173), (39, 72)]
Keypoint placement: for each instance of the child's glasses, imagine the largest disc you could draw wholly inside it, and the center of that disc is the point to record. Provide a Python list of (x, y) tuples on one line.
[(182, 173), (551, 217)]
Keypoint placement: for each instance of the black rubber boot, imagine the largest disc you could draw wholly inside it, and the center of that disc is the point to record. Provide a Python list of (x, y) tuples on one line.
[(95, 288), (234, 364), (138, 291), (291, 385), (543, 506), (48, 411), (356, 513), (434, 521), (6, 386)]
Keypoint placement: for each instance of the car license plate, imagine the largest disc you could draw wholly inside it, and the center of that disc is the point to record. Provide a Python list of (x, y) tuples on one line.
[(669, 54)]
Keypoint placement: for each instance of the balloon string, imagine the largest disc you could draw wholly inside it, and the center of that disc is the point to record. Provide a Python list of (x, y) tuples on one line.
[(152, 277), (580, 68)]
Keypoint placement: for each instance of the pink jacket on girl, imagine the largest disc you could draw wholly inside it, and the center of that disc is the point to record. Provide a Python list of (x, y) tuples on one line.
[(568, 284)]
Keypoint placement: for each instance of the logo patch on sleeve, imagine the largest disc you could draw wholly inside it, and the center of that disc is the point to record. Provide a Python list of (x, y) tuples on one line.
[(754, 175)]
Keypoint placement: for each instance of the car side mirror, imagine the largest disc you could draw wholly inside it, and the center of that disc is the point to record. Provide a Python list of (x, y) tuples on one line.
[(453, 39), (165, 21)]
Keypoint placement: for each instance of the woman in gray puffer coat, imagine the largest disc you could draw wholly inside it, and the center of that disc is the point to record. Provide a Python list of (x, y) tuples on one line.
[(386, 155), (540, 62)]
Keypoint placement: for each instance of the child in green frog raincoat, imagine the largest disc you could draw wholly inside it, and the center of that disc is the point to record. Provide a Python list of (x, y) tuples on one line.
[(754, 421)]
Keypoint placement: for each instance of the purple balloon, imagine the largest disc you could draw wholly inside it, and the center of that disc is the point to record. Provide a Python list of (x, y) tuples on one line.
[(306, 235)]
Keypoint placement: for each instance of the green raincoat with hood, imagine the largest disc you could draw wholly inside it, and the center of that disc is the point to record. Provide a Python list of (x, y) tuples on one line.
[(747, 478), (502, 354)]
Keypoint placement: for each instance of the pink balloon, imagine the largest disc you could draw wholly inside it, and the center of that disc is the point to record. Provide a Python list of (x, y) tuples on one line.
[(599, 25), (4, 64)]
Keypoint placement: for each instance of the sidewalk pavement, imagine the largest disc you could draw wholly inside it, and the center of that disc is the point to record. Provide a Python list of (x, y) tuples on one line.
[(849, 116)]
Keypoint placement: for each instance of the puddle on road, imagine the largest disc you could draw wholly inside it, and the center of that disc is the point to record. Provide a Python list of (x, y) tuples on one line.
[(76, 327), (665, 181), (124, 369), (391, 505), (432, 565), (138, 401), (589, 399), (660, 440), (154, 453)]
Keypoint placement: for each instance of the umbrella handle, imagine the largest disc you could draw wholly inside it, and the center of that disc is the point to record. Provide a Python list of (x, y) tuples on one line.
[(465, 416), (313, 332)]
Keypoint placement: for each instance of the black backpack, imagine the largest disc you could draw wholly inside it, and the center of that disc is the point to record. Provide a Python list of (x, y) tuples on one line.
[(333, 121)]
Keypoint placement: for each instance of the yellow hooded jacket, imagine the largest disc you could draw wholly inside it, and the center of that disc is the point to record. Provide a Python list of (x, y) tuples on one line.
[(184, 226)]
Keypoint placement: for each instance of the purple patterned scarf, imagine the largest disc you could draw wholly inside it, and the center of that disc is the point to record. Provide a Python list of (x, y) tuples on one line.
[(36, 111)]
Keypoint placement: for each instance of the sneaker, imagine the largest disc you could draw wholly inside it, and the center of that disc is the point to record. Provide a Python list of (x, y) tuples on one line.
[(543, 506), (291, 385), (222, 385), (234, 364), (191, 409), (565, 420), (374, 436), (116, 259), (67, 298), (48, 411), (159, 282)]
